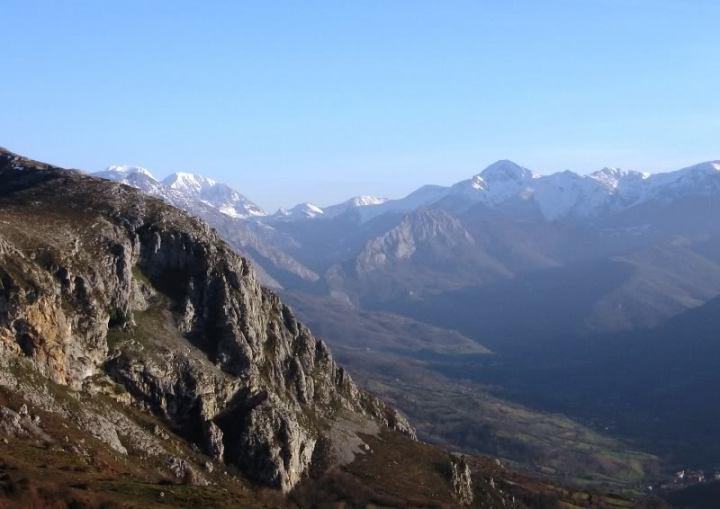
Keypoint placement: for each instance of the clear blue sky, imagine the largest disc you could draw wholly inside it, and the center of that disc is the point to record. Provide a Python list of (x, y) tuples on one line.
[(301, 100)]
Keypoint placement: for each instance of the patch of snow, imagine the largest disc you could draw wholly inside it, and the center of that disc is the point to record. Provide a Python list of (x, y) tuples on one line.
[(188, 182), (183, 188), (301, 211), (353, 203), (364, 201), (127, 170)]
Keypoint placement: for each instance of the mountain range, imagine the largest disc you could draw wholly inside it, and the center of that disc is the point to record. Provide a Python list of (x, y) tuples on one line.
[(653, 235), (143, 365), (224, 208), (555, 196), (554, 277), (552, 337)]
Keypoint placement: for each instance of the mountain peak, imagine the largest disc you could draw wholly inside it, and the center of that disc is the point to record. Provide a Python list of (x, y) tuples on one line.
[(182, 189), (127, 170), (610, 170), (353, 203), (183, 181), (505, 170), (708, 167), (307, 208), (617, 172), (611, 177), (301, 211)]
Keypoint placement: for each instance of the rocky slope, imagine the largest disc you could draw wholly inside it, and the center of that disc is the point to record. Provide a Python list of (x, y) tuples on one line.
[(142, 364), (99, 283), (227, 211)]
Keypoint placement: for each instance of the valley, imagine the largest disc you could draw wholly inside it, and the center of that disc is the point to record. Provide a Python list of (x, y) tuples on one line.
[(512, 311), (144, 365), (360, 255)]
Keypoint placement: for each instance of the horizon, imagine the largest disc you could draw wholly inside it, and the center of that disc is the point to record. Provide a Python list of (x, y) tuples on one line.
[(401, 254), (536, 172), (321, 102)]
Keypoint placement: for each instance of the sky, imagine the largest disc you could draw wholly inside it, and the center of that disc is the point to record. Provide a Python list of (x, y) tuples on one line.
[(319, 101)]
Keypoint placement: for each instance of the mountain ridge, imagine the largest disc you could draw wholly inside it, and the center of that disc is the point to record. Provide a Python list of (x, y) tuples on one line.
[(253, 378), (226, 209), (144, 361), (578, 195)]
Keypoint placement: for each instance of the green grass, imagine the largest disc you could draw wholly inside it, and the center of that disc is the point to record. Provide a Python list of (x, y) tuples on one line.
[(150, 326), (467, 417), (140, 277)]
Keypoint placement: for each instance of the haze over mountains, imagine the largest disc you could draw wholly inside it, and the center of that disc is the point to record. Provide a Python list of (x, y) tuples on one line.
[(616, 249), (505, 221), (577, 284), (224, 208), (144, 365), (556, 196)]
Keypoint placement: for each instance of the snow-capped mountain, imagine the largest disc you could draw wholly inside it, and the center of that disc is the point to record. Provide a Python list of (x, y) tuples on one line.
[(500, 223), (182, 188), (558, 196), (307, 210), (301, 211), (699, 179), (497, 183), (571, 263), (135, 176), (222, 197), (353, 203), (229, 212), (126, 171), (612, 177)]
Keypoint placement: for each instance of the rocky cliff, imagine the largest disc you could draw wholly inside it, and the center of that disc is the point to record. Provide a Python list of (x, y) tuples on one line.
[(143, 365), (100, 284)]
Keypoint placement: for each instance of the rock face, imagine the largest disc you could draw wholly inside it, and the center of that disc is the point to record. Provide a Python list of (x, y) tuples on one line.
[(107, 282), (432, 230), (226, 210), (461, 480), (21, 424)]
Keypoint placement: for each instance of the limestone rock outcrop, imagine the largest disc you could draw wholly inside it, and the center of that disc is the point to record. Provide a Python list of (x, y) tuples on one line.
[(106, 282), (461, 480)]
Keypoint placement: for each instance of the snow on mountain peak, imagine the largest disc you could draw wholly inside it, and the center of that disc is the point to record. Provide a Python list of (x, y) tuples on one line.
[(611, 178), (610, 171), (212, 193), (700, 178), (366, 200), (505, 170), (124, 170), (309, 209), (135, 176), (558, 195), (356, 202), (188, 182), (185, 188), (496, 183), (301, 211)]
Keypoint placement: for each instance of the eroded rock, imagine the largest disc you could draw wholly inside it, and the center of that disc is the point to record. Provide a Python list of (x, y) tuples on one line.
[(21, 424), (110, 282), (461, 480)]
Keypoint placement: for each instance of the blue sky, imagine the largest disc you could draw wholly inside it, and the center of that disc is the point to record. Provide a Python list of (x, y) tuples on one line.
[(318, 101)]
